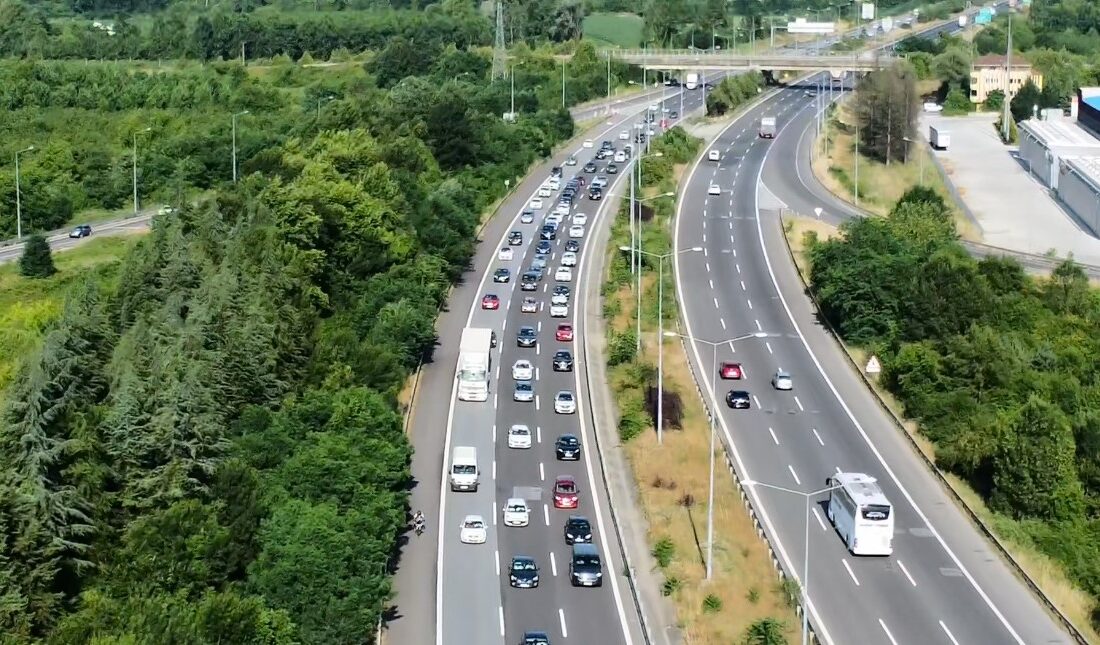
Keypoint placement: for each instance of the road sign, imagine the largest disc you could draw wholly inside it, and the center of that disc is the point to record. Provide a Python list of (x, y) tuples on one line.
[(818, 211), (801, 26), (873, 366), (868, 11)]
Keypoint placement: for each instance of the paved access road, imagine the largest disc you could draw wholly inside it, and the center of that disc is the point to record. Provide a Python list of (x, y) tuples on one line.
[(475, 602), (943, 584), (60, 241)]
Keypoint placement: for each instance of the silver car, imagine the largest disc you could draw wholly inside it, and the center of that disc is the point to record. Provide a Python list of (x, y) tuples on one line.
[(782, 381), (524, 393)]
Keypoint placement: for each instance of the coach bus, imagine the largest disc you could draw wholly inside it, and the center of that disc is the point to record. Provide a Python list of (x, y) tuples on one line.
[(861, 514)]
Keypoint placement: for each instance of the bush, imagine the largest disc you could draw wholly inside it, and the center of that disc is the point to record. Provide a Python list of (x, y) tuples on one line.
[(766, 631), (671, 585), (712, 604), (621, 347), (37, 259), (663, 551)]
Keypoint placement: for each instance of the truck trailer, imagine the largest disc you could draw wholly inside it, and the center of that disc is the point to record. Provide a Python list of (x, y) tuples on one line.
[(474, 364), (938, 137)]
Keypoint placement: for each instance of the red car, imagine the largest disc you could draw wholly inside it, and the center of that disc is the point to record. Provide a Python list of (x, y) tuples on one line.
[(490, 301), (564, 333), (565, 492), (731, 371)]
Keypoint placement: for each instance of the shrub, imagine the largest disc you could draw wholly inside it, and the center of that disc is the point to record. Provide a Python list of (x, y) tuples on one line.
[(664, 550), (712, 604), (766, 631), (37, 260)]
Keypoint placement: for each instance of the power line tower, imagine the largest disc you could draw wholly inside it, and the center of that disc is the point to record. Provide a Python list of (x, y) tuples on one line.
[(500, 54)]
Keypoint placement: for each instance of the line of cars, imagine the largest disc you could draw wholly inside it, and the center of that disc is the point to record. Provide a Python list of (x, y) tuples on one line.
[(741, 399)]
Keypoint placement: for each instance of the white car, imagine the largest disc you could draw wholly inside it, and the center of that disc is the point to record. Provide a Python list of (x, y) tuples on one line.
[(569, 259), (563, 274), (505, 254), (522, 370), (473, 530), (561, 209), (624, 135), (620, 157), (554, 219), (782, 381), (516, 512), (544, 191), (535, 204), (714, 190), (564, 403), (580, 219), (933, 107), (559, 299), (559, 311), (599, 181), (529, 306), (587, 143), (576, 231), (553, 183), (714, 155), (519, 436)]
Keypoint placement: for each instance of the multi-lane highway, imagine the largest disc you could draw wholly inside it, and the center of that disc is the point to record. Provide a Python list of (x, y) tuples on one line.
[(59, 240), (943, 583), (475, 603)]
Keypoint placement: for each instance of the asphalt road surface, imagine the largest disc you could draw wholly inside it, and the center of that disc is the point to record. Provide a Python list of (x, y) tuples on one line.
[(475, 602), (943, 583), (60, 241)]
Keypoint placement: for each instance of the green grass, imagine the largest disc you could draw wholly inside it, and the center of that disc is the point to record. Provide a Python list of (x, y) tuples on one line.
[(614, 29), (29, 307)]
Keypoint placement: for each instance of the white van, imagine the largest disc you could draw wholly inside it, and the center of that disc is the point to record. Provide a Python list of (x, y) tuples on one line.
[(713, 155), (464, 472)]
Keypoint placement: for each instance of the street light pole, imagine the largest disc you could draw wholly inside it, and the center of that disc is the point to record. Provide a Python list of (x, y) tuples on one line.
[(234, 121), (136, 206), (805, 582), (636, 239), (563, 83), (18, 198), (713, 432)]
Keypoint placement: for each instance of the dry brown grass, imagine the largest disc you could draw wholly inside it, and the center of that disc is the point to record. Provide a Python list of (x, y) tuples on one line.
[(1048, 574), (880, 185)]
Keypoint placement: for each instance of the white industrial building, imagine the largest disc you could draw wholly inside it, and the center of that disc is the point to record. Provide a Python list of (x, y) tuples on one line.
[(1066, 158)]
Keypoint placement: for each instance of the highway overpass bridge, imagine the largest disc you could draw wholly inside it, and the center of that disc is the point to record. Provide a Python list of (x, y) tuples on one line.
[(691, 59)]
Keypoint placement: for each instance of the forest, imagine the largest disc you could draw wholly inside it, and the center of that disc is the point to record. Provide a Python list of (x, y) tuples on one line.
[(998, 367), (207, 446)]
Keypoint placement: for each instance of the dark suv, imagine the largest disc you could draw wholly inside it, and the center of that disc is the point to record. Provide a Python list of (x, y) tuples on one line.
[(585, 568), (578, 530), (563, 361), (567, 448)]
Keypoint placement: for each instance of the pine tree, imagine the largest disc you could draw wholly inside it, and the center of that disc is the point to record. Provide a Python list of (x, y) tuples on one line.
[(37, 262)]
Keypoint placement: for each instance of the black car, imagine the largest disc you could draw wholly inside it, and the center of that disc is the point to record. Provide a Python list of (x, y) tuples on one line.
[(563, 361), (523, 573), (526, 336), (590, 167), (674, 114), (548, 233), (561, 290), (573, 245), (515, 238), (606, 145), (535, 638), (595, 194), (738, 399), (567, 199), (529, 281), (578, 530), (567, 448), (639, 138), (502, 275), (602, 154), (543, 247), (81, 231), (555, 171), (612, 169)]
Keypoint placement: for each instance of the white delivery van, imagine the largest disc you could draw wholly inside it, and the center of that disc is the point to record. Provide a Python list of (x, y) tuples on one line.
[(464, 472)]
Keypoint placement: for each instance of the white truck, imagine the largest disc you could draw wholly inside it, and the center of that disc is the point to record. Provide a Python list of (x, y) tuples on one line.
[(767, 127), (464, 470), (938, 137), (962, 21), (474, 364), (692, 81)]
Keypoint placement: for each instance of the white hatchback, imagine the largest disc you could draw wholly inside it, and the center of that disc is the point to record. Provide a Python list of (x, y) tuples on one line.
[(519, 436), (587, 143), (714, 190), (563, 274), (535, 204), (544, 191), (576, 231), (580, 219), (505, 254), (473, 530), (559, 311), (516, 512), (522, 370), (624, 135), (620, 157), (569, 259)]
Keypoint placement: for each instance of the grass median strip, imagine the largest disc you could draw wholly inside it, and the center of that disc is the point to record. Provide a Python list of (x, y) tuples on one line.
[(744, 598)]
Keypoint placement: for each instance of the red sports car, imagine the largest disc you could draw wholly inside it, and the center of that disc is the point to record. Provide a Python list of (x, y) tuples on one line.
[(490, 301), (564, 333), (731, 371), (565, 492)]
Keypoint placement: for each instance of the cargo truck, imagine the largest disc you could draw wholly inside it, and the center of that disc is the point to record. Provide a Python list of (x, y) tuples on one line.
[(767, 127), (474, 364), (938, 137), (962, 21), (692, 81)]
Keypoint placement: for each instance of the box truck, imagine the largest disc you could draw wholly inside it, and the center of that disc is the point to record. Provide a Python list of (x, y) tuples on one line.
[(474, 363), (692, 81), (767, 127), (938, 137), (464, 470)]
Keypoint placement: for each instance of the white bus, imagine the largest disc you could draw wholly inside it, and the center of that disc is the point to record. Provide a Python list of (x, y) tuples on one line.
[(861, 514)]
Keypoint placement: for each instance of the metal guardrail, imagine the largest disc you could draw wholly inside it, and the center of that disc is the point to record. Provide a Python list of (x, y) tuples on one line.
[(710, 53), (864, 61)]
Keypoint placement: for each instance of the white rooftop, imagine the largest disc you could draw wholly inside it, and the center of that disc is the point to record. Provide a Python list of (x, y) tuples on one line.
[(864, 489), (1087, 167), (1061, 132)]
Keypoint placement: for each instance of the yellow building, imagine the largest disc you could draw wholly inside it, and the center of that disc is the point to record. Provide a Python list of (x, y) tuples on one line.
[(988, 73)]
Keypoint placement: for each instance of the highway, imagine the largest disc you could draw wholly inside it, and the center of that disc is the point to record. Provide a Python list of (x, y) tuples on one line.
[(475, 603), (12, 250), (943, 583)]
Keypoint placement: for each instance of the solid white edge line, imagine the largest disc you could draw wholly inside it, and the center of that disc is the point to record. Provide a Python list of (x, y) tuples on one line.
[(848, 411), (751, 491)]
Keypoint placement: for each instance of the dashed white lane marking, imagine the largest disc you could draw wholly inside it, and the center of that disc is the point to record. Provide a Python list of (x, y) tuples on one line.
[(901, 565), (538, 434), (496, 401), (731, 228), (769, 346), (738, 266), (758, 327), (774, 438), (494, 433), (553, 565), (732, 241), (561, 619), (743, 286), (817, 436), (799, 404), (494, 469), (708, 266), (756, 400), (749, 303), (704, 238), (723, 321), (734, 252), (850, 573), (537, 404), (546, 514), (542, 472), (716, 303), (501, 610), (705, 254), (819, 520), (794, 474), (496, 556), (883, 625), (949, 634), (711, 283)]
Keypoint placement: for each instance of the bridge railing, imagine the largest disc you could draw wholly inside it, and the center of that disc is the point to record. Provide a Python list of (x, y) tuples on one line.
[(708, 53)]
